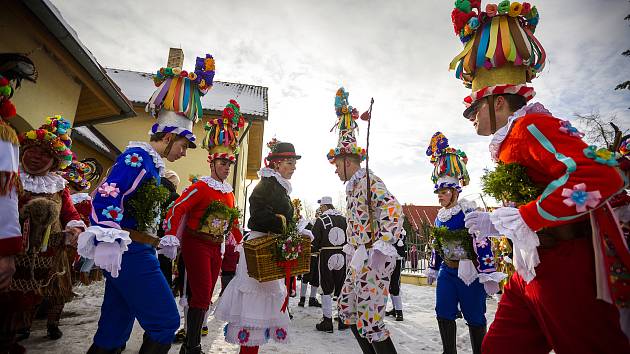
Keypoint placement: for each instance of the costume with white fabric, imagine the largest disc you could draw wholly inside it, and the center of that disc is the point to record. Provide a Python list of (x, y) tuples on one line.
[(330, 238), (253, 309), (568, 251), (121, 243)]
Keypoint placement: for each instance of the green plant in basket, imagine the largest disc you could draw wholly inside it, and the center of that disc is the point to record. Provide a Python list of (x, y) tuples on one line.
[(217, 218), (289, 245), (145, 204)]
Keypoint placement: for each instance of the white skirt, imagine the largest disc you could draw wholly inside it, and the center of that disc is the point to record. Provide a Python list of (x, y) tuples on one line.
[(251, 308)]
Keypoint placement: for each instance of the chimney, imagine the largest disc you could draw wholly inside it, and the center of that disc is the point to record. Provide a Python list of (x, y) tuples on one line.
[(175, 58)]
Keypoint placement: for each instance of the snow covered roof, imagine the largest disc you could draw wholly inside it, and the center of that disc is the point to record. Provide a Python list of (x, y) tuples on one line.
[(90, 136), (138, 87)]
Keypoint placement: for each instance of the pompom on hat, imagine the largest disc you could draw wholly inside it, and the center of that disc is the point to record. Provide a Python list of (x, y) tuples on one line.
[(222, 134), (346, 125), (449, 164), (54, 136), (501, 54), (176, 103)]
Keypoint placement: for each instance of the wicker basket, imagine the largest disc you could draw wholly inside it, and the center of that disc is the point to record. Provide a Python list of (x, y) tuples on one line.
[(261, 257)]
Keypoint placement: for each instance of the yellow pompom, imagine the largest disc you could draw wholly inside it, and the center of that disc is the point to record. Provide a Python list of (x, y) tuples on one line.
[(515, 9)]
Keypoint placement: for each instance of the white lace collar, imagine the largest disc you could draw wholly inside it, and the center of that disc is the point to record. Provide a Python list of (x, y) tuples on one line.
[(49, 183), (217, 185), (157, 159), (268, 172), (355, 178), (502, 133), (332, 212), (445, 215), (80, 197)]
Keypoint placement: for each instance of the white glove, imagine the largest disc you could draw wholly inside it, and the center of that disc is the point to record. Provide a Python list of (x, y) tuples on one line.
[(168, 246), (479, 224), (377, 261), (108, 256), (491, 287), (430, 280), (307, 233)]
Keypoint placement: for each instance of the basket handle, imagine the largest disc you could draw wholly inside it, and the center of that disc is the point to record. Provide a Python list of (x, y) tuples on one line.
[(284, 222)]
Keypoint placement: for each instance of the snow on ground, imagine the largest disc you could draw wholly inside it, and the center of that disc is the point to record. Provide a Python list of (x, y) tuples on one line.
[(418, 333)]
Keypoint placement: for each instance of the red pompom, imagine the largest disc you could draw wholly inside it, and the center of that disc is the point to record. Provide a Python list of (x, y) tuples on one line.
[(228, 113), (7, 109), (3, 81)]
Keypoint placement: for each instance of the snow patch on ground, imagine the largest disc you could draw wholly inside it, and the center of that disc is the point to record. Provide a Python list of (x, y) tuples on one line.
[(418, 333)]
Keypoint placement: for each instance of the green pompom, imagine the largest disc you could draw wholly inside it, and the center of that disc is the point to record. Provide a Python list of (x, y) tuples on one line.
[(463, 5), (504, 6)]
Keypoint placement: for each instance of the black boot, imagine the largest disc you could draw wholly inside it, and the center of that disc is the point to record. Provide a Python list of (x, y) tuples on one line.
[(54, 332), (302, 301), (325, 325), (195, 319), (341, 326), (476, 337), (98, 350), (399, 315), (365, 345), (384, 347), (448, 330), (312, 302), (22, 334), (391, 312), (149, 346)]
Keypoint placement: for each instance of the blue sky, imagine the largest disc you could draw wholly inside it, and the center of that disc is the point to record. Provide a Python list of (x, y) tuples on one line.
[(397, 52)]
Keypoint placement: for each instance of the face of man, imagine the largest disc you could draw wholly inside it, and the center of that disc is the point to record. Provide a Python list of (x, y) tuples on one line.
[(480, 118), (178, 150), (286, 168), (220, 168), (445, 196), (342, 169), (37, 160)]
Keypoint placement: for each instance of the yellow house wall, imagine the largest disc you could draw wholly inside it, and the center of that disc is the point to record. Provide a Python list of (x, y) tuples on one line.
[(56, 91), (195, 163)]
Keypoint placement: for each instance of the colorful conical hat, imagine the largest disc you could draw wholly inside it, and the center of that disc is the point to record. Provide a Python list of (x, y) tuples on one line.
[(222, 134), (449, 164), (346, 125)]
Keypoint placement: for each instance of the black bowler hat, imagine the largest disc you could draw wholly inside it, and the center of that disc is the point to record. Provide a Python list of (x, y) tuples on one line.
[(281, 150)]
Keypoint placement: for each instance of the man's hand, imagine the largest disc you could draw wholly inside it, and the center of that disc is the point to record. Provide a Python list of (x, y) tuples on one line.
[(7, 269), (72, 236)]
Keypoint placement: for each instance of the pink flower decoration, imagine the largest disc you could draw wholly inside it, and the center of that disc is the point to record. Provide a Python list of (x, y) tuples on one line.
[(567, 128), (108, 190), (580, 198)]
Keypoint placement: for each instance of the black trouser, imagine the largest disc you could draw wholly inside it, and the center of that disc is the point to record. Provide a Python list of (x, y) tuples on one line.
[(331, 281), (312, 277), (166, 266), (394, 284), (226, 277)]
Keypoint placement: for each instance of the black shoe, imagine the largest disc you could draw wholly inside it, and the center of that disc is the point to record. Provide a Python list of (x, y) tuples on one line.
[(149, 346), (476, 337), (302, 301), (312, 302), (341, 326), (384, 347), (391, 312), (180, 336), (325, 325), (290, 314), (195, 318), (399, 315), (98, 350), (448, 332), (364, 344), (22, 334), (54, 332)]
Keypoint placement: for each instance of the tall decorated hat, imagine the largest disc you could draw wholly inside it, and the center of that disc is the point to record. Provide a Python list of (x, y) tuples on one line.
[(501, 54), (221, 138), (346, 125), (53, 136), (176, 103), (81, 174), (449, 164)]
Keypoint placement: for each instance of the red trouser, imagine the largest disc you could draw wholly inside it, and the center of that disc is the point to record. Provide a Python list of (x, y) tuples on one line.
[(558, 309), (203, 266)]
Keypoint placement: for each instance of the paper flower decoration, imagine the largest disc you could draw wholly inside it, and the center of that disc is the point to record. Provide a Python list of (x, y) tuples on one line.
[(488, 260), (281, 333), (243, 336), (603, 156), (567, 128), (580, 198), (114, 213), (108, 190), (133, 160)]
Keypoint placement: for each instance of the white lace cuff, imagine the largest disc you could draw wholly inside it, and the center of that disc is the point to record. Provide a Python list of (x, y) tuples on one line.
[(94, 234), (430, 272), (76, 223), (494, 276), (168, 240), (508, 221), (385, 248)]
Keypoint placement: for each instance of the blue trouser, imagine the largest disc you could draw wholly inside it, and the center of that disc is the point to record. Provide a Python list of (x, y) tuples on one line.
[(451, 290), (141, 292)]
